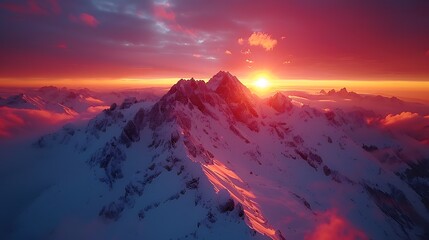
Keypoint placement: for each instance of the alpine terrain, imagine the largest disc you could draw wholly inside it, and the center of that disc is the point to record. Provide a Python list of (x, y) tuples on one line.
[(214, 161)]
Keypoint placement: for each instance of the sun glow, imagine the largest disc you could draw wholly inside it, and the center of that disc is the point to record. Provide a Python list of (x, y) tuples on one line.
[(261, 82)]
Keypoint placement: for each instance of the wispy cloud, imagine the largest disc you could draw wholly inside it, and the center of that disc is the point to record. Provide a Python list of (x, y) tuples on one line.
[(166, 17), (163, 11)]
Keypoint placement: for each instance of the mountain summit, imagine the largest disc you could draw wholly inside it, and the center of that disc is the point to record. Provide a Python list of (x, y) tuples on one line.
[(228, 86), (237, 96), (213, 161)]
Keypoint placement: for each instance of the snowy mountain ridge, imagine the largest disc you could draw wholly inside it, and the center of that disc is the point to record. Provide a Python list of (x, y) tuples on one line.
[(212, 160)]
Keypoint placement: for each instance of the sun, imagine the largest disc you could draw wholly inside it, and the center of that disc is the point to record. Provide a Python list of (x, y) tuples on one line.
[(262, 83)]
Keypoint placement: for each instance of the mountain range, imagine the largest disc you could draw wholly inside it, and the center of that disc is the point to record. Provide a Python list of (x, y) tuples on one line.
[(215, 161)]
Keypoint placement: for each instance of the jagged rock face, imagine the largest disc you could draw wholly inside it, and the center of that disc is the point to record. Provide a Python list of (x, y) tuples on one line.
[(191, 94), (342, 93), (238, 97), (104, 121), (130, 133), (128, 102), (223, 92), (280, 103), (229, 87), (139, 118), (110, 159), (113, 107), (395, 204)]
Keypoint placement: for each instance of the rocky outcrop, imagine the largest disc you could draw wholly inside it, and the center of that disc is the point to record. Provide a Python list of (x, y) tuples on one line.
[(188, 93), (395, 204), (280, 103), (109, 159), (130, 134), (128, 102)]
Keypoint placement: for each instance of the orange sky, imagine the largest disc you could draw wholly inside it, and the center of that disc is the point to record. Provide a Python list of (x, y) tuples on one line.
[(407, 90)]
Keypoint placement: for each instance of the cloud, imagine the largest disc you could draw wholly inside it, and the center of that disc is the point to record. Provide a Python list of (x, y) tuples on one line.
[(334, 227), (152, 26), (262, 39), (162, 11), (21, 122), (94, 100), (16, 123), (411, 124), (88, 19), (165, 19), (395, 119), (246, 52)]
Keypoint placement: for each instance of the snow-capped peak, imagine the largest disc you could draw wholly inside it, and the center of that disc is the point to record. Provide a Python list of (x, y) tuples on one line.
[(280, 102), (188, 87), (238, 97), (222, 77), (228, 86)]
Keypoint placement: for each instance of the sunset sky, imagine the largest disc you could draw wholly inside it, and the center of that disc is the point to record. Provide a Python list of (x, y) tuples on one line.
[(101, 41)]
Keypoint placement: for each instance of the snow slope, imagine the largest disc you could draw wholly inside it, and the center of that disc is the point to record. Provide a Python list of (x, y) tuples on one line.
[(213, 161)]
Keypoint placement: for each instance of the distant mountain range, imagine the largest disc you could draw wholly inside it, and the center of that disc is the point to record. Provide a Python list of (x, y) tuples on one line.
[(46, 109)]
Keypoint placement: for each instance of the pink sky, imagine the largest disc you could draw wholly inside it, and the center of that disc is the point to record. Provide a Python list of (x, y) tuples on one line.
[(356, 39)]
